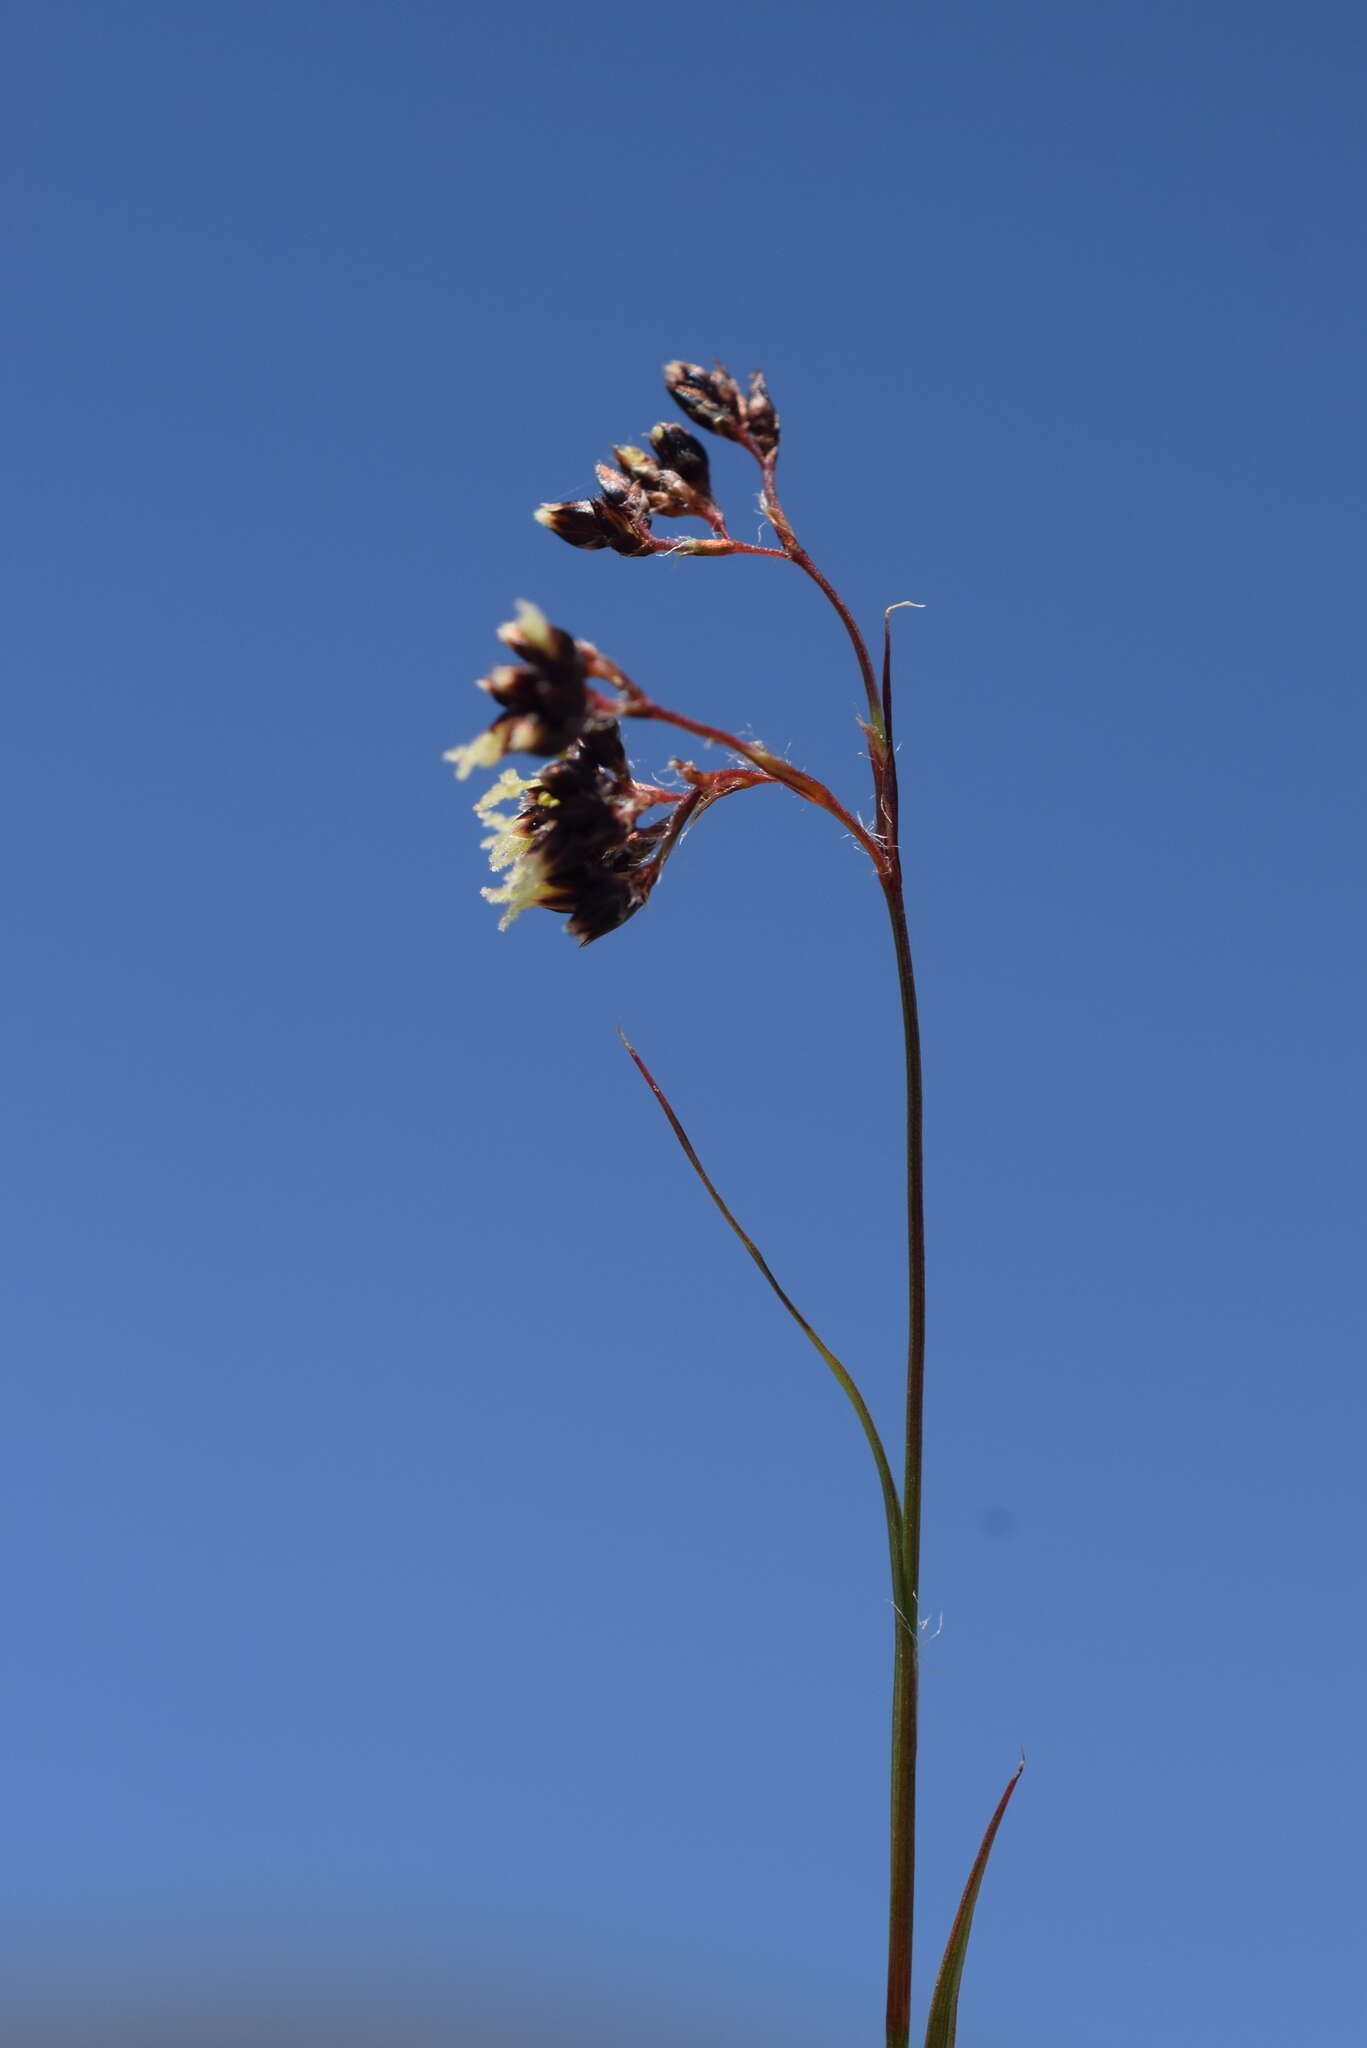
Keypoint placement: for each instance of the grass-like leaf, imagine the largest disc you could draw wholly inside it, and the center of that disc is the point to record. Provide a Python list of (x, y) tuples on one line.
[(943, 2024), (892, 1506)]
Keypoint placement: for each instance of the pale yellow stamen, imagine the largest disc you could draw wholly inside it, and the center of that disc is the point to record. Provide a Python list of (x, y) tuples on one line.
[(477, 753), (507, 840), (505, 789), (525, 886), (507, 846)]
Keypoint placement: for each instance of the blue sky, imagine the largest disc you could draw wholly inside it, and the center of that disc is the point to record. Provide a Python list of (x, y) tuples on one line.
[(435, 1554)]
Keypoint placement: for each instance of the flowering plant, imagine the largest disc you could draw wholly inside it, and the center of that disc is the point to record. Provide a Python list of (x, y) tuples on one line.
[(573, 839)]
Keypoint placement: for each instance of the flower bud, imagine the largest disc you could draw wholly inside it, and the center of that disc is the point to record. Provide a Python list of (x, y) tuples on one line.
[(711, 398), (623, 513), (577, 522), (639, 467), (684, 453), (620, 491), (667, 492), (760, 416), (619, 520)]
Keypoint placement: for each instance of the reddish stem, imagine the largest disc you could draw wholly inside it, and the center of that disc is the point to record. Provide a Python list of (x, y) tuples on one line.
[(793, 551), (803, 785)]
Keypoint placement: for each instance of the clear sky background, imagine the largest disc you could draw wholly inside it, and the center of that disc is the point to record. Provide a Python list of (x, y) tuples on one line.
[(431, 1552)]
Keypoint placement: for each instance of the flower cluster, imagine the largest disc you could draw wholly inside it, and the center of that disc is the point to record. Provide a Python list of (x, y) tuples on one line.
[(712, 399), (573, 841), (545, 703), (572, 844), (674, 478), (618, 518)]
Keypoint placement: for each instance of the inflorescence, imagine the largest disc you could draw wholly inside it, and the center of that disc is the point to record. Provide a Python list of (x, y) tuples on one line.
[(573, 841)]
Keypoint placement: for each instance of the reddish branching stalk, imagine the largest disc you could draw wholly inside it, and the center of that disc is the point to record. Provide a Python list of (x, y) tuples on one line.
[(774, 769), (576, 844)]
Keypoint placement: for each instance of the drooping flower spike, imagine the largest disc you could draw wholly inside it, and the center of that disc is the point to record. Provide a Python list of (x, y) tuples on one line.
[(574, 843)]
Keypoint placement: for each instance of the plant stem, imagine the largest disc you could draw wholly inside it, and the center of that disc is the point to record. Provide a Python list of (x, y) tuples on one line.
[(906, 1672), (794, 550), (641, 706), (906, 1653), (886, 854)]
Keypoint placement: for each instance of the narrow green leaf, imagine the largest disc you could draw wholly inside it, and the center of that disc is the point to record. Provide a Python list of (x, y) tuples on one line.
[(943, 2025), (892, 1507)]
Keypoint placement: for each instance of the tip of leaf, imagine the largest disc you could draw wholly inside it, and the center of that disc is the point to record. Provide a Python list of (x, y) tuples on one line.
[(943, 2024)]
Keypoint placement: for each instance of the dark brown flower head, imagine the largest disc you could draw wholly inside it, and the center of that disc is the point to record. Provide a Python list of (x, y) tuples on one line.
[(668, 491), (677, 449), (618, 519), (543, 699), (572, 845), (665, 492), (760, 416), (711, 398)]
